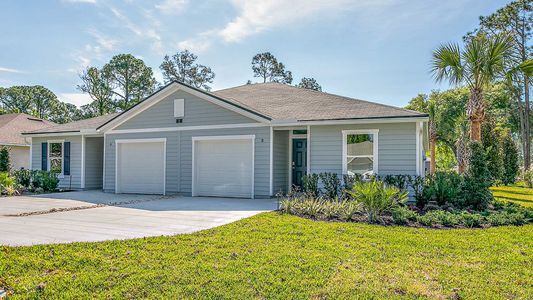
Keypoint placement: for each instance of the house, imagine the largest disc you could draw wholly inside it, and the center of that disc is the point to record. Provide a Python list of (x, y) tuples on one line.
[(11, 128), (248, 141)]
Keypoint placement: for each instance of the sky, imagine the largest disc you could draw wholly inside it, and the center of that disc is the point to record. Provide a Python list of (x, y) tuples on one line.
[(377, 50)]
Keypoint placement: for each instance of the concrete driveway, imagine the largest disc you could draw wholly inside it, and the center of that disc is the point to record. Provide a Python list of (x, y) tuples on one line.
[(97, 216)]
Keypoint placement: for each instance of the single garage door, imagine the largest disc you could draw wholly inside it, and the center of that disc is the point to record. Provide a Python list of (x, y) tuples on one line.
[(224, 167), (141, 166)]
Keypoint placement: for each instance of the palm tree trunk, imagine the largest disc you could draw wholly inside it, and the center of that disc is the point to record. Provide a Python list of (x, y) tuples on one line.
[(476, 113), (527, 131)]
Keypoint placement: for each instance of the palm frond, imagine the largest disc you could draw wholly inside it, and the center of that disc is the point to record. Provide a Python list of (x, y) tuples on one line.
[(447, 65), (527, 67)]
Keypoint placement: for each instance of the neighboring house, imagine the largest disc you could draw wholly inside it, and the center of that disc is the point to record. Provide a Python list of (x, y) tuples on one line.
[(11, 128), (249, 141)]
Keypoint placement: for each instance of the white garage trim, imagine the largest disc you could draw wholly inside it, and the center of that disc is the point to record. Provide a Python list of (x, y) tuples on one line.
[(221, 138), (130, 141)]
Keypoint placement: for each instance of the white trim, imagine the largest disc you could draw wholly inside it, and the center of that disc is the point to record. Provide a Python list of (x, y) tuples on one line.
[(103, 166), (418, 160), (82, 162), (167, 91), (289, 183), (31, 153), (342, 122), (184, 128), (375, 149), (54, 134), (14, 145), (221, 138), (308, 149), (62, 142), (132, 141), (271, 166)]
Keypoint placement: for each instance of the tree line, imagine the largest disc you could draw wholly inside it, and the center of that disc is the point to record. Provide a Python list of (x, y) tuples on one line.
[(491, 70), (125, 80)]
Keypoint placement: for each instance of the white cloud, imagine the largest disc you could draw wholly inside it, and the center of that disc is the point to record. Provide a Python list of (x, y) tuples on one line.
[(77, 99), (9, 70), (103, 41), (200, 43), (81, 1), (172, 6)]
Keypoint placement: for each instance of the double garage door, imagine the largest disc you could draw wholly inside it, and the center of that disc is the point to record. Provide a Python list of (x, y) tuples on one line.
[(221, 167)]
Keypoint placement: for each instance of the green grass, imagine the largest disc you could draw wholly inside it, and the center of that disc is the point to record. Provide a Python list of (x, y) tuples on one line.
[(517, 193), (282, 257)]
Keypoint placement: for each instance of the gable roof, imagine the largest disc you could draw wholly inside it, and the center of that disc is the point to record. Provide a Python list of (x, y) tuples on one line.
[(264, 101), (13, 125), (286, 102), (76, 126)]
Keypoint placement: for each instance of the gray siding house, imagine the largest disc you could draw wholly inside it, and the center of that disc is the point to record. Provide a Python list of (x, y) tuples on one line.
[(249, 141)]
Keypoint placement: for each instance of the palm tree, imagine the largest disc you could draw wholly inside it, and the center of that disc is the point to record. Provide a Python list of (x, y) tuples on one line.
[(460, 148), (480, 63), (432, 138)]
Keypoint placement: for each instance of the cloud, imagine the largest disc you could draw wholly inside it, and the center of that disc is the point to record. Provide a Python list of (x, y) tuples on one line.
[(77, 99), (200, 43), (81, 1), (172, 7), (9, 70), (103, 41)]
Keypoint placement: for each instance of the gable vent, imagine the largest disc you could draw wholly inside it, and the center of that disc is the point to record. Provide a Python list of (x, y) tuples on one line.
[(179, 108)]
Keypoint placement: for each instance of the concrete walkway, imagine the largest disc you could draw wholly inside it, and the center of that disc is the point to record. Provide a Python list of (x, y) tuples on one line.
[(147, 216)]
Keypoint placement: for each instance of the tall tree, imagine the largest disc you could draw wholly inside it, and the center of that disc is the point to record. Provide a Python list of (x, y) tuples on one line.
[(309, 83), (182, 67), (44, 101), (516, 20), (98, 87), (479, 63), (130, 80), (64, 113), (17, 99), (267, 67)]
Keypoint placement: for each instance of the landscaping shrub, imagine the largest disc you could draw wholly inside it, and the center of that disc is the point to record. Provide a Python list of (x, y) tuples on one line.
[(320, 208), (510, 160), (474, 190), (491, 142), (377, 198), (471, 220), (310, 185), (23, 177), (331, 184), (45, 180), (527, 177), (442, 187), (7, 184), (5, 165), (400, 181), (401, 215)]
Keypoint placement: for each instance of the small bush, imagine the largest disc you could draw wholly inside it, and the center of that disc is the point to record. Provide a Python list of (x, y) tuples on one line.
[(475, 191), (402, 215), (527, 177), (442, 187), (45, 180), (399, 181), (310, 185), (506, 218), (23, 177), (5, 165), (7, 184), (377, 198), (471, 220), (439, 217), (331, 183)]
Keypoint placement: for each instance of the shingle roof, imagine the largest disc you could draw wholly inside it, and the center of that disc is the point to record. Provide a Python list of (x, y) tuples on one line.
[(77, 126), (285, 102), (12, 125)]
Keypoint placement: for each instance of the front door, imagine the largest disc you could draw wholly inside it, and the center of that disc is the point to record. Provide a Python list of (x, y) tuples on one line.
[(299, 161)]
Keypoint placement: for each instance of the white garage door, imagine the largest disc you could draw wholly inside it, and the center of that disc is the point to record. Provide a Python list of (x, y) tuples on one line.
[(140, 167), (223, 168)]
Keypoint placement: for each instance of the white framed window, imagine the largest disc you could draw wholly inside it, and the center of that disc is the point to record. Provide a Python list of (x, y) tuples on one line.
[(56, 162), (360, 152)]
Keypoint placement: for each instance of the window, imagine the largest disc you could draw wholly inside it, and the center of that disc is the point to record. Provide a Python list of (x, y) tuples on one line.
[(299, 131), (360, 152), (55, 157)]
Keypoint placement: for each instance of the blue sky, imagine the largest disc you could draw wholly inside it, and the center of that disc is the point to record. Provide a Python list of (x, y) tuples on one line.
[(377, 50)]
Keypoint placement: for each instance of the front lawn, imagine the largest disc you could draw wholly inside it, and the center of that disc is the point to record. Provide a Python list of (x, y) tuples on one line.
[(282, 256), (517, 193)]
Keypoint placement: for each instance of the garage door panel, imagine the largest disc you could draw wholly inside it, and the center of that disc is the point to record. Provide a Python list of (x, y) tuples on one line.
[(224, 168), (140, 167)]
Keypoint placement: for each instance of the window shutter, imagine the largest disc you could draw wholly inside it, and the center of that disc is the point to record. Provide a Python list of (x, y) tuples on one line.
[(44, 156), (66, 158)]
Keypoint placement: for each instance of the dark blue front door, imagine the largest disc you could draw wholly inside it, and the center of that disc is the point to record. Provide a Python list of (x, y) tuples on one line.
[(299, 161)]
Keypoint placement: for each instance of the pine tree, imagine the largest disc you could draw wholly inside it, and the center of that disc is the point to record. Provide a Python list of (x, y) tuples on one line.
[(510, 160)]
